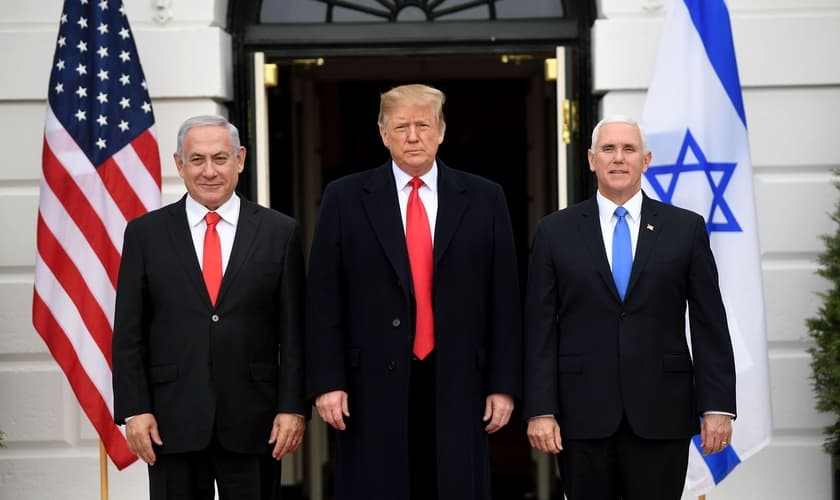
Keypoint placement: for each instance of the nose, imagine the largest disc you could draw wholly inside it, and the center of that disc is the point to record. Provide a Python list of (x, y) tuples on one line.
[(412, 133), (208, 169)]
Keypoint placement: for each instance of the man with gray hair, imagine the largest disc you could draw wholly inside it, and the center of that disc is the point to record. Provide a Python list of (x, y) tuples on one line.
[(610, 384), (208, 347)]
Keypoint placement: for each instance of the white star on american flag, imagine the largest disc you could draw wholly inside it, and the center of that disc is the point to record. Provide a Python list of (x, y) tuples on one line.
[(124, 33), (124, 79), (82, 22), (102, 98), (62, 41), (59, 88), (125, 56), (147, 107), (102, 51), (123, 125), (125, 102), (82, 46), (102, 120), (81, 115), (60, 64), (102, 75), (81, 92), (81, 69)]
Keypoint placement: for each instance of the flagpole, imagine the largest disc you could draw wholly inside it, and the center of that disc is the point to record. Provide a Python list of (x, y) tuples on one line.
[(103, 472), (701, 497)]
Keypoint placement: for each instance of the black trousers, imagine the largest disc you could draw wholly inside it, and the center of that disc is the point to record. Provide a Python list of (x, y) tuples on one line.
[(191, 476), (422, 450), (623, 466)]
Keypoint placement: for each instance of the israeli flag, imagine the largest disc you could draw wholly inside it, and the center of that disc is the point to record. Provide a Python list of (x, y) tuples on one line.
[(697, 131)]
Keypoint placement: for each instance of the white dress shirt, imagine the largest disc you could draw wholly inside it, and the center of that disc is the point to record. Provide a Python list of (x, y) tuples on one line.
[(229, 212), (428, 193)]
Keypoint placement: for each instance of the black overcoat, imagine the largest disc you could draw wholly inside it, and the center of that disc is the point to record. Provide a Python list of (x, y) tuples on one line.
[(360, 325)]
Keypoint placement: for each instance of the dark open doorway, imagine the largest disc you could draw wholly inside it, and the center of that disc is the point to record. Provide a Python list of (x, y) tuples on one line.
[(500, 116), (501, 124)]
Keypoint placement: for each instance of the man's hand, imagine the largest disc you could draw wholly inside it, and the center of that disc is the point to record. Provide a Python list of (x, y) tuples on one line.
[(286, 434), (497, 410), (544, 434), (332, 407), (140, 431), (715, 432)]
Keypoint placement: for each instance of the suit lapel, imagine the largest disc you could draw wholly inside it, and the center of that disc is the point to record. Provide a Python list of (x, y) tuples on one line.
[(181, 238), (590, 229), (383, 210), (452, 201), (649, 231), (243, 241)]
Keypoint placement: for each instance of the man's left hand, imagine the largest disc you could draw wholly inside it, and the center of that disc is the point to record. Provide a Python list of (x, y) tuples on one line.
[(715, 432), (497, 410), (286, 434)]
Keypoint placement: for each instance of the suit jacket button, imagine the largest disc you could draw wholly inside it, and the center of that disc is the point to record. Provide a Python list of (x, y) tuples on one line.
[(395, 322), (214, 318), (392, 366), (623, 315)]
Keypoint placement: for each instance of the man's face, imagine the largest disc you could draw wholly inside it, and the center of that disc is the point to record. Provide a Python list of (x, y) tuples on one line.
[(210, 168), (412, 134), (618, 161)]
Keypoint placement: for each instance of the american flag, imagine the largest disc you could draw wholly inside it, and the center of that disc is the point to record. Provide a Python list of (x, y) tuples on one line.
[(101, 168)]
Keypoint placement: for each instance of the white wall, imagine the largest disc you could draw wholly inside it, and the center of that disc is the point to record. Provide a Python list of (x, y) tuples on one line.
[(52, 451), (787, 59)]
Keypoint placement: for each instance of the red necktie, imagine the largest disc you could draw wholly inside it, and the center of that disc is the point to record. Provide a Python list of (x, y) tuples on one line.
[(211, 264), (418, 238)]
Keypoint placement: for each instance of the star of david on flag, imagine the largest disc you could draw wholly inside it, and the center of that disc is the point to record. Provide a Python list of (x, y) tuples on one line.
[(696, 129)]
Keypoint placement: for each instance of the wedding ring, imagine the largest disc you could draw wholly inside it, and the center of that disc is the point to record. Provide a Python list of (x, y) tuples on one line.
[(724, 442)]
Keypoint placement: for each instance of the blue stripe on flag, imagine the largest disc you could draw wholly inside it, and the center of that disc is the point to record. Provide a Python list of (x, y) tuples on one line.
[(720, 464), (711, 18)]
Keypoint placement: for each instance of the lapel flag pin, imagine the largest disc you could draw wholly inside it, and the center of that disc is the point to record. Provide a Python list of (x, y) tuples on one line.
[(650, 227)]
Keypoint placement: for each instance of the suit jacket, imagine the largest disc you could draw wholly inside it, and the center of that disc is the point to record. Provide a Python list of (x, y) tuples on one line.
[(199, 368), (591, 358), (360, 327)]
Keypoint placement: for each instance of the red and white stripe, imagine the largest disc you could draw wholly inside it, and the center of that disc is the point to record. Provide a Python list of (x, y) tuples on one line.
[(82, 214)]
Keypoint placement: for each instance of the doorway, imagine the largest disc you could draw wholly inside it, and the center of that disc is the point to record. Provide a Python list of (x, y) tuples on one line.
[(500, 115), (501, 124)]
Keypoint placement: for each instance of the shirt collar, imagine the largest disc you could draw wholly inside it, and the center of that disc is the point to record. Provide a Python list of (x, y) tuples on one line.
[(429, 178), (606, 208), (229, 211)]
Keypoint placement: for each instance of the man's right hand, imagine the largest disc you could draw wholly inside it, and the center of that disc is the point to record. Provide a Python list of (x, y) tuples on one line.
[(332, 406), (140, 431), (544, 434)]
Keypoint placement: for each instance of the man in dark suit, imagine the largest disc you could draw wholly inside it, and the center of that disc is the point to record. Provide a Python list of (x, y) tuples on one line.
[(413, 319), (610, 383), (208, 348)]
